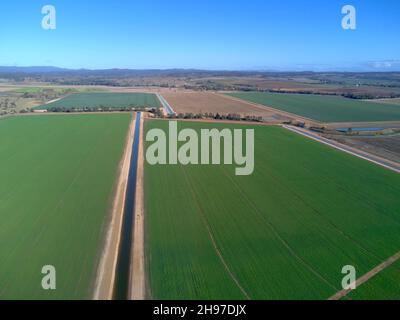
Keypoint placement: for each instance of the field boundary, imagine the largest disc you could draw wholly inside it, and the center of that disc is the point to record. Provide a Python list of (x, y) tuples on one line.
[(105, 278), (342, 293), (395, 167)]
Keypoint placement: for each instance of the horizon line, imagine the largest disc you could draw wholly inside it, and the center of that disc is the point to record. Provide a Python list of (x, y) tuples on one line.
[(246, 70)]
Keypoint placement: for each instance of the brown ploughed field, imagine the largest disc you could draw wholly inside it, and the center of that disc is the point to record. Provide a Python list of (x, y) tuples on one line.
[(206, 102)]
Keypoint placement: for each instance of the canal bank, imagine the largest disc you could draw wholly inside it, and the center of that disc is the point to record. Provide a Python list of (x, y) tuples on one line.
[(167, 107), (123, 277), (106, 271)]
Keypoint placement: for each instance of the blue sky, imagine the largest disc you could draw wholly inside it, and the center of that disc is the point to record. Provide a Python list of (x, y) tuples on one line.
[(218, 34)]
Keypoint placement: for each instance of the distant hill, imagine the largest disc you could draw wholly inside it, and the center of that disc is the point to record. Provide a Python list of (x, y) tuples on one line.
[(115, 72), (38, 69), (119, 73)]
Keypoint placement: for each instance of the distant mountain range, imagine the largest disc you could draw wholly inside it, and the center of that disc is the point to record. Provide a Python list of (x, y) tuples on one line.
[(372, 67), (55, 71), (38, 69), (48, 69)]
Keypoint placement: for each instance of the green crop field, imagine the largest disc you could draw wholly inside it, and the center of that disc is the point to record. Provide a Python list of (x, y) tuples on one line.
[(56, 189), (284, 232), (325, 108), (81, 101)]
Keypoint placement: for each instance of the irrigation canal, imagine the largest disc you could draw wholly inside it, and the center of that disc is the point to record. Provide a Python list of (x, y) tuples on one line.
[(166, 105), (122, 278)]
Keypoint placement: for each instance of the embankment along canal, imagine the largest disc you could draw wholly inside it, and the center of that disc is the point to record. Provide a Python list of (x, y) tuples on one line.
[(123, 270), (166, 105)]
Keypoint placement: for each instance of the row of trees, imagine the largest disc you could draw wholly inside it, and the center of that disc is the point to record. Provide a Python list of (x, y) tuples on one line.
[(349, 95), (97, 109), (213, 116)]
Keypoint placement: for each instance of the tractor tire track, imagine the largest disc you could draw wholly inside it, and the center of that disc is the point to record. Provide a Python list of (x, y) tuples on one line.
[(279, 237), (214, 243)]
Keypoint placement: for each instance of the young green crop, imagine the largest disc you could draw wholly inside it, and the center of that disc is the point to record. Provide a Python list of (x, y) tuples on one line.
[(324, 108), (56, 189), (284, 232), (80, 101)]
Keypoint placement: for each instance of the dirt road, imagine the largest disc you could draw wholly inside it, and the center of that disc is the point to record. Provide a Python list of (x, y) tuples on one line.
[(355, 152), (339, 295), (104, 286)]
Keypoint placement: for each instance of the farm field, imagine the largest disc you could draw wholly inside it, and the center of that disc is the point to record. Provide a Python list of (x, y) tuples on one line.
[(284, 232), (104, 100), (324, 108), (338, 84), (206, 102), (56, 189)]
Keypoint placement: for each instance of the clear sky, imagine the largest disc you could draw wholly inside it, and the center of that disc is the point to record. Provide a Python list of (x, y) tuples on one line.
[(206, 34)]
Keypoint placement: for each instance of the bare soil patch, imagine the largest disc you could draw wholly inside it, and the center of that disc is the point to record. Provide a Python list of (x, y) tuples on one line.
[(209, 102)]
